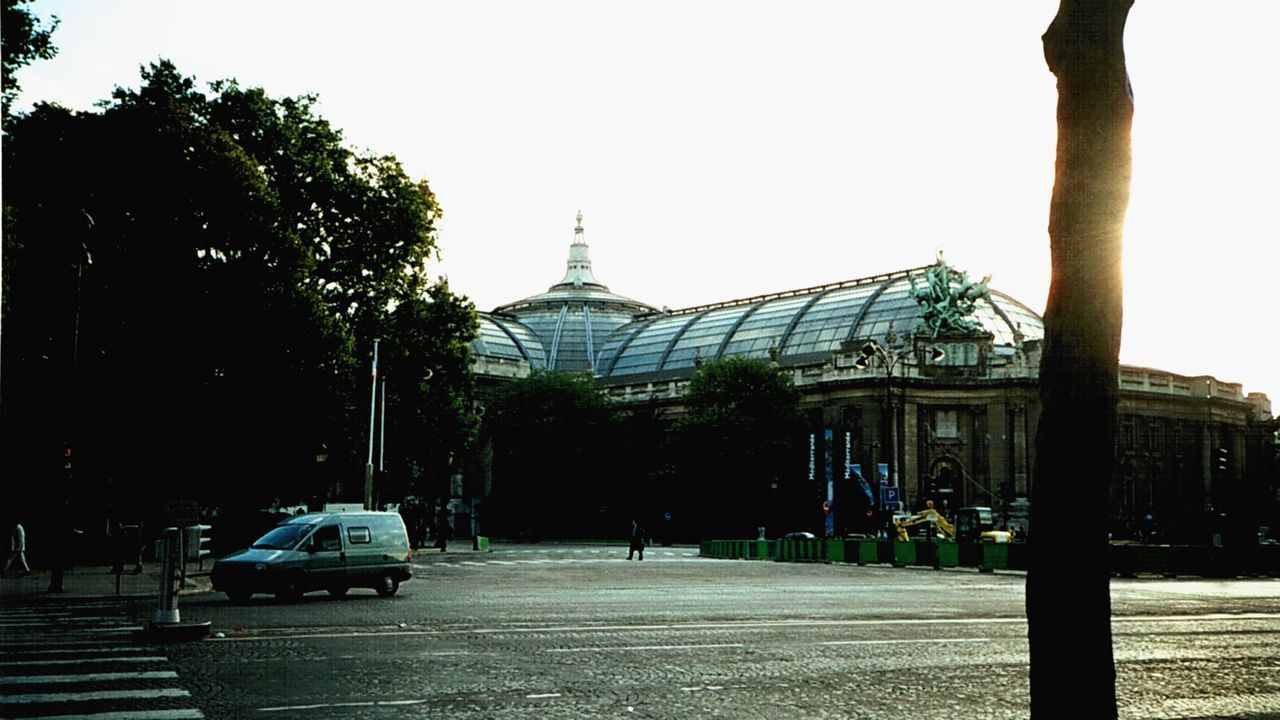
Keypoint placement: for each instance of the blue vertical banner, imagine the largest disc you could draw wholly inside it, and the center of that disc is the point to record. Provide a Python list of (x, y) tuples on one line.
[(828, 439), (862, 482)]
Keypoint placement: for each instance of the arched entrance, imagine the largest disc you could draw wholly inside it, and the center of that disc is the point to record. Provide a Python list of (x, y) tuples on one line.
[(945, 484)]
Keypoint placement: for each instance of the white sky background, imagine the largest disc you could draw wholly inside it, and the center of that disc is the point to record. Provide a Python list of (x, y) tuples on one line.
[(720, 150)]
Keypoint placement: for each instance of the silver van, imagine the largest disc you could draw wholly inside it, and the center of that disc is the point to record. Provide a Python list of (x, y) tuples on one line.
[(333, 551)]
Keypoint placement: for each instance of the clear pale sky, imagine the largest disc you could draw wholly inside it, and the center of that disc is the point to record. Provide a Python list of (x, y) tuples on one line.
[(726, 149)]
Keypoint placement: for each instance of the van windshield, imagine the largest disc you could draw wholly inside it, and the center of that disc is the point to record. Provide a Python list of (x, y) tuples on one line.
[(283, 537)]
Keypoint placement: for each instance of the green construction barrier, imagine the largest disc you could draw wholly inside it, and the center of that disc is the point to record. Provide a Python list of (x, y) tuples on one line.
[(480, 543), (948, 554), (904, 553), (835, 550), (759, 549), (868, 551), (995, 556)]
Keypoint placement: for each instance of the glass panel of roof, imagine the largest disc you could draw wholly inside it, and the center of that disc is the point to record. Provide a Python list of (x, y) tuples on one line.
[(494, 337), (704, 336), (644, 352), (765, 327), (1030, 324), (826, 323)]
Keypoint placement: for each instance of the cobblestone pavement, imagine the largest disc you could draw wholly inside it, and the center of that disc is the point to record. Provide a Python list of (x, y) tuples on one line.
[(578, 632)]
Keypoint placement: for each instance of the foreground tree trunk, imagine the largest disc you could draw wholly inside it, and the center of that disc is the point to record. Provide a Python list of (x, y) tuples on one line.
[(1068, 585)]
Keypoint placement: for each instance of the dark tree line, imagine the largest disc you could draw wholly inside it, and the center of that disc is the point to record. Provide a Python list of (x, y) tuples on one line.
[(193, 280), (569, 462)]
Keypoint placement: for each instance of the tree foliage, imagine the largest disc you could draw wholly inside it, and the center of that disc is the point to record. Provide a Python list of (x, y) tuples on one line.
[(552, 467), (736, 441), (196, 281), (23, 41), (431, 401)]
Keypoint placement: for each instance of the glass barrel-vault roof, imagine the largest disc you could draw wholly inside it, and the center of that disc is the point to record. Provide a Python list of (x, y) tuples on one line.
[(797, 326), (507, 339)]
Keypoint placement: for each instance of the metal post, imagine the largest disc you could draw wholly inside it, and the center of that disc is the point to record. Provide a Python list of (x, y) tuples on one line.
[(182, 556), (373, 406), (382, 431)]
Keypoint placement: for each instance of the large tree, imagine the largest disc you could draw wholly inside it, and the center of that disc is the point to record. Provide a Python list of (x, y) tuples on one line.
[(197, 279), (736, 446), (1068, 600), (24, 40)]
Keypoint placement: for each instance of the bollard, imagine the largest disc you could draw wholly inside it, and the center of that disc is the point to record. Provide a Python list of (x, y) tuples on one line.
[(167, 606)]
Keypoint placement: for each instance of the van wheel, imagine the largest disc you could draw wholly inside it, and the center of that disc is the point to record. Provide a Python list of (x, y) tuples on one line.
[(239, 597), (337, 592), (388, 585)]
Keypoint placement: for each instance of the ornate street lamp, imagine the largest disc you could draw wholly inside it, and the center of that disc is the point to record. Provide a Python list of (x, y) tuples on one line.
[(890, 354)]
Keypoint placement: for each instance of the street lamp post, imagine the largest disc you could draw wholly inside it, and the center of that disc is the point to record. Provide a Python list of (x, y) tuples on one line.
[(889, 355), (889, 358), (373, 406)]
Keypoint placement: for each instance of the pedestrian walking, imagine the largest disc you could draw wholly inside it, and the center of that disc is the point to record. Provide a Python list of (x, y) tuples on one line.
[(637, 541), (443, 529), (17, 551), (62, 548)]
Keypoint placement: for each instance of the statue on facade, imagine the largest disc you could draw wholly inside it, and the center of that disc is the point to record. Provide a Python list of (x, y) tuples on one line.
[(948, 299)]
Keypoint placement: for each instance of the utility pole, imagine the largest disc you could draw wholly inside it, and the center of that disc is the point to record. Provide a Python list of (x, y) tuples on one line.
[(373, 406)]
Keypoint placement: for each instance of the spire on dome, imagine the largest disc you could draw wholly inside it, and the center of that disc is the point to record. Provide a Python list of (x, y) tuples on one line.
[(579, 272)]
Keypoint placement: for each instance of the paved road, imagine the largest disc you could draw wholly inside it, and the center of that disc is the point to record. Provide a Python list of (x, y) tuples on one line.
[(579, 632)]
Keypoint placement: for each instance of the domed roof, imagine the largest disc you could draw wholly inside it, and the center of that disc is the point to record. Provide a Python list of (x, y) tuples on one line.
[(579, 285), (793, 327), (571, 319)]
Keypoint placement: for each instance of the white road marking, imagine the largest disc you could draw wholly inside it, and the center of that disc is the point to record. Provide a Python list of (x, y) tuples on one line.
[(645, 647), (133, 715), (540, 696), (88, 677), (69, 651), (94, 696), (698, 688), (82, 661), (904, 642), (321, 706)]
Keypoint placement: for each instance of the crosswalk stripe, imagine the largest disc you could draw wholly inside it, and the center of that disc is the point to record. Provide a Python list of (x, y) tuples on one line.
[(82, 661), (133, 715), (90, 650), (93, 696), (88, 677), (59, 643)]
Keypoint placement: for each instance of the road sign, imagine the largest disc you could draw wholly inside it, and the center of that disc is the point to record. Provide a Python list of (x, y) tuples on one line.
[(826, 507), (889, 497)]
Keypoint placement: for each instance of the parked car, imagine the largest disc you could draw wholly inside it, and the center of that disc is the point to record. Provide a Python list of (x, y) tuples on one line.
[(799, 535), (332, 551)]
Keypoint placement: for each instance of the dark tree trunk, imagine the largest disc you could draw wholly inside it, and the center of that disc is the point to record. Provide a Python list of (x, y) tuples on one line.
[(1068, 585)]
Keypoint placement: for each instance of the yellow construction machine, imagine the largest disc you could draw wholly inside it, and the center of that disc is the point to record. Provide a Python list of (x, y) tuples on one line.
[(973, 524)]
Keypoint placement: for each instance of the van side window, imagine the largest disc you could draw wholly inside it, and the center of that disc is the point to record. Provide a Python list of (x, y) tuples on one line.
[(328, 537), (359, 535)]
